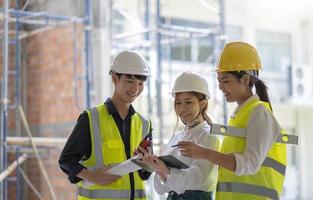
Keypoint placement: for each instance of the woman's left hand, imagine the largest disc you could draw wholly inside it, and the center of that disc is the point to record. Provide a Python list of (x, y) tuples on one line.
[(192, 150), (156, 164)]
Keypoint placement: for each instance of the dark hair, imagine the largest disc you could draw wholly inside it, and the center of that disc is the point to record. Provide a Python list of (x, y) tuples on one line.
[(139, 77), (260, 87), (201, 97)]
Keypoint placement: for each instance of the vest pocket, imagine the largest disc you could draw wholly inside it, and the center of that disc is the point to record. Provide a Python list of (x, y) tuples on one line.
[(113, 151), (114, 144)]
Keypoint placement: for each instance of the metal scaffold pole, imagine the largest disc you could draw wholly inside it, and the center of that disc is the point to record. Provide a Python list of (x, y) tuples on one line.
[(222, 43), (88, 48), (147, 38), (159, 72), (46, 21), (4, 95)]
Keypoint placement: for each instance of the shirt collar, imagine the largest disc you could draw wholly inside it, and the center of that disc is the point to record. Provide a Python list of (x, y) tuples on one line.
[(112, 109), (199, 126), (252, 98)]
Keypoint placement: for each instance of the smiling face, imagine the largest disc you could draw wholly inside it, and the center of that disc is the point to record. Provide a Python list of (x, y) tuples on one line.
[(233, 88), (127, 88), (188, 107)]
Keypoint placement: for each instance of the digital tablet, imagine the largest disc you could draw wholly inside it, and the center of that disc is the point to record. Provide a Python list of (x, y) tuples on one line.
[(169, 160)]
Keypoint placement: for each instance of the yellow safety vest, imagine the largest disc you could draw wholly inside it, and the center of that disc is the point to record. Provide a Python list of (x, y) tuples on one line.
[(267, 183), (108, 148)]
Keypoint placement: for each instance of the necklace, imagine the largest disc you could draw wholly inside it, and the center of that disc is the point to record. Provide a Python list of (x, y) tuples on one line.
[(193, 124)]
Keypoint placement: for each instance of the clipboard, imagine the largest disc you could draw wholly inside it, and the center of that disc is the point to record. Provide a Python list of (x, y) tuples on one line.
[(169, 161), (173, 162)]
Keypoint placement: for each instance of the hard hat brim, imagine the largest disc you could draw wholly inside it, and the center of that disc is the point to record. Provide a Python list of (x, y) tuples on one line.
[(130, 70)]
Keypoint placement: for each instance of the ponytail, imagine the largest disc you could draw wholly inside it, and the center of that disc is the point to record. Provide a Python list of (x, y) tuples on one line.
[(260, 87), (261, 90)]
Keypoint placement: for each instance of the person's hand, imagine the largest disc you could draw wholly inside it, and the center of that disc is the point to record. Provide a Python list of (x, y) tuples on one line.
[(192, 150), (155, 164), (101, 177), (142, 151), (136, 152)]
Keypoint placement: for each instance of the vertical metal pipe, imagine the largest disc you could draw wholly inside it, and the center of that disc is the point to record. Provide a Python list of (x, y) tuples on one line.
[(159, 72), (222, 43), (4, 95), (17, 96), (18, 181), (147, 37), (17, 59), (88, 24), (17, 72)]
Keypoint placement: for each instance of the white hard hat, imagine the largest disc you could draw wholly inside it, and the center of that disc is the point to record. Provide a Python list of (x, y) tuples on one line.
[(191, 82), (130, 62)]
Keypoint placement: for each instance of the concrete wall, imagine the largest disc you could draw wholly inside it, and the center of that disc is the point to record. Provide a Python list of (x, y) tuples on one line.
[(296, 119)]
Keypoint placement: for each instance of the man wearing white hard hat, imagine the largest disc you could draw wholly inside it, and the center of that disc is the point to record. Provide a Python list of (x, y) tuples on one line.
[(109, 134)]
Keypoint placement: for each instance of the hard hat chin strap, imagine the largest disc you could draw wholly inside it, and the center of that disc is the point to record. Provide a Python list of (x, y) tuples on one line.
[(194, 122)]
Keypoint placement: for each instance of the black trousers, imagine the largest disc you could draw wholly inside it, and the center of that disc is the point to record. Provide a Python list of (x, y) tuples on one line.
[(190, 195)]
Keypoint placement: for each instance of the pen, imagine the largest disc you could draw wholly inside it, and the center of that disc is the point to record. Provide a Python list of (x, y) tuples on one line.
[(175, 145)]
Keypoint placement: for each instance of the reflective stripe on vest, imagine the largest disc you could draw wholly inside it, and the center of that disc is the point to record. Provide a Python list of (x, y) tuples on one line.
[(241, 132), (97, 137), (110, 194), (248, 189), (145, 125), (274, 164)]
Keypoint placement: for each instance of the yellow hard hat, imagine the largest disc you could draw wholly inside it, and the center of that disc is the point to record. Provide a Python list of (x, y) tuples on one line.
[(238, 56)]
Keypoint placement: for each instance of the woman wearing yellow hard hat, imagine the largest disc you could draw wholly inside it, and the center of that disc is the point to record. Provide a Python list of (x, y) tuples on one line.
[(251, 167)]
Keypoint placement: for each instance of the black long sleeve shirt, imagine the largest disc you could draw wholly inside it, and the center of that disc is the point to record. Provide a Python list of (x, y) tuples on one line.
[(78, 145)]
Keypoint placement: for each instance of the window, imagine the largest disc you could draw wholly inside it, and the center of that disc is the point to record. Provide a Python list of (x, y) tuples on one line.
[(190, 50), (118, 22), (197, 49), (181, 51), (205, 50), (274, 50)]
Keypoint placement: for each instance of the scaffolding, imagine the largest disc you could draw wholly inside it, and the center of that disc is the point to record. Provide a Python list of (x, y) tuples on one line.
[(46, 21), (161, 33), (164, 34)]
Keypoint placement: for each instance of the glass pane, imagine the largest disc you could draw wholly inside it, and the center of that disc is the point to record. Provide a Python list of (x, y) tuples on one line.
[(274, 50)]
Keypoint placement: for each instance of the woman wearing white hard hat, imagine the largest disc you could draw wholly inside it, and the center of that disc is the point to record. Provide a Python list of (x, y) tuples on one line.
[(199, 180)]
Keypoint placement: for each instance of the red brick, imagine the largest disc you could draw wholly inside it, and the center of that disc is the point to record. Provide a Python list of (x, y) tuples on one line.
[(50, 100)]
